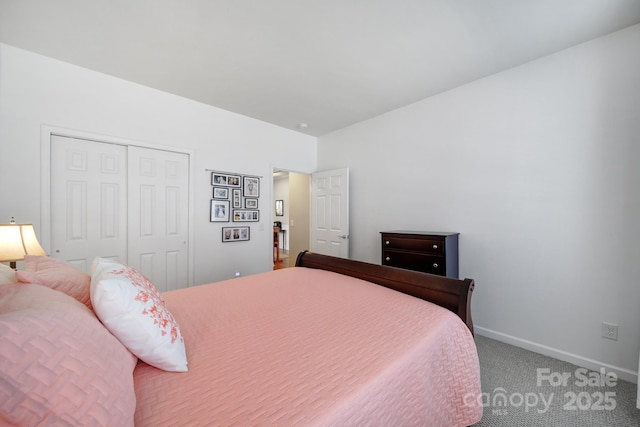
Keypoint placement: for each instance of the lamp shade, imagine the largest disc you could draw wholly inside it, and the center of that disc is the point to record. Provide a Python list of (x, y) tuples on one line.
[(18, 240)]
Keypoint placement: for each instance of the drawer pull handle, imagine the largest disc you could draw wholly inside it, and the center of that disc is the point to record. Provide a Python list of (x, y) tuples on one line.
[(435, 246), (386, 243), (387, 259), (435, 265)]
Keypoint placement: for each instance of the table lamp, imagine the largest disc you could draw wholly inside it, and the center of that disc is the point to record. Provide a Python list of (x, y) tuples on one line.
[(16, 241)]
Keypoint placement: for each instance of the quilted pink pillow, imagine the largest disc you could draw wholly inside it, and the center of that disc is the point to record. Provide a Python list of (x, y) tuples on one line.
[(131, 307), (58, 275), (58, 363)]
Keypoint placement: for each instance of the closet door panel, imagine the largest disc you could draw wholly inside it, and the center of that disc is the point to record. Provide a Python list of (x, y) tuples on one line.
[(158, 216), (88, 201)]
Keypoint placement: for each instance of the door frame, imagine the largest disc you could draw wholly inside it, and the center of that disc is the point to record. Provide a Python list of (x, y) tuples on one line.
[(45, 183), (292, 256)]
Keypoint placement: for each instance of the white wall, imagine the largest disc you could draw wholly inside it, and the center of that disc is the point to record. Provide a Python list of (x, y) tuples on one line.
[(36, 91), (537, 168)]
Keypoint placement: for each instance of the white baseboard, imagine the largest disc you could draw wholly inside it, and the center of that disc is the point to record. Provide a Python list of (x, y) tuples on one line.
[(623, 374)]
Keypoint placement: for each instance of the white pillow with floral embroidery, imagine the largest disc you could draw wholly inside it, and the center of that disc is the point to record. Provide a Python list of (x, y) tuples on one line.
[(131, 307)]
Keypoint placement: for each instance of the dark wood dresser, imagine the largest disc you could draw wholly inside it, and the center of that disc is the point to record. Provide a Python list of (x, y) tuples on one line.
[(430, 252)]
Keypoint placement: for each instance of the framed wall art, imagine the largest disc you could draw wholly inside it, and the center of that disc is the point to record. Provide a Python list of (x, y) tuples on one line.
[(279, 207), (246, 215), (251, 203), (233, 181), (225, 179), (235, 234), (218, 179), (237, 198), (250, 186), (219, 210), (220, 193)]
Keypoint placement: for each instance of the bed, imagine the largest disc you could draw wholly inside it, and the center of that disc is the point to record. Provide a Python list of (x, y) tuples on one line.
[(329, 342)]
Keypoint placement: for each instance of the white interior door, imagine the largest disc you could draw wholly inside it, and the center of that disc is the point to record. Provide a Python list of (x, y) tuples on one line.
[(88, 201), (330, 212), (158, 216)]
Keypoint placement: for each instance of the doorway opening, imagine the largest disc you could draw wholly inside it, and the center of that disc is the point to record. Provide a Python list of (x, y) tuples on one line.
[(291, 216)]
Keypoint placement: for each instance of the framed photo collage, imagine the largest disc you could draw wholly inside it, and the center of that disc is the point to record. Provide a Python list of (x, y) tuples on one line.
[(235, 198)]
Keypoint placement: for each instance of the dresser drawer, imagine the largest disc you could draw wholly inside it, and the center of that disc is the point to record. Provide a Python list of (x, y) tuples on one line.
[(432, 246), (427, 263)]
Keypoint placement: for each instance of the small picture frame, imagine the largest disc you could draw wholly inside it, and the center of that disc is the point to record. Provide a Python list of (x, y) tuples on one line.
[(237, 198), (233, 181), (246, 215), (220, 193), (235, 234), (219, 179), (251, 186), (251, 203), (219, 210), (225, 179), (279, 207)]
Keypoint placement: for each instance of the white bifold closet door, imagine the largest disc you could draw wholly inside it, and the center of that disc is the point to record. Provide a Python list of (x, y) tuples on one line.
[(158, 215), (121, 202)]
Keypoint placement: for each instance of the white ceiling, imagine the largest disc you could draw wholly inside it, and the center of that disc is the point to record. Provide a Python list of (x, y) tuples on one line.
[(328, 63)]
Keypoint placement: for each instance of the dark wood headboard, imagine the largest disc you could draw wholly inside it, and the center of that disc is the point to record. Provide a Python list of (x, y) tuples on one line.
[(452, 294)]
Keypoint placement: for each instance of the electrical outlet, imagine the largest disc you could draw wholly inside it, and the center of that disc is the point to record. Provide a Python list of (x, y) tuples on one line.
[(610, 330)]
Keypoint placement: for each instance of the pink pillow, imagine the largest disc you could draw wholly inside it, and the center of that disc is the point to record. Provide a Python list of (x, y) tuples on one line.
[(58, 363), (131, 307), (57, 275)]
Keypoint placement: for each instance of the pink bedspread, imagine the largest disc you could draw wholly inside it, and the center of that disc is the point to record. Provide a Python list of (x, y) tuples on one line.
[(301, 346)]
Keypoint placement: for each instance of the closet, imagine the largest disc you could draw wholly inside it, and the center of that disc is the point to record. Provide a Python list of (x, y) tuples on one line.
[(122, 202)]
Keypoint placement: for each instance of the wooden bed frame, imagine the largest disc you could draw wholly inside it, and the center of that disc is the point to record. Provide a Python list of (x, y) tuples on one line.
[(452, 294)]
